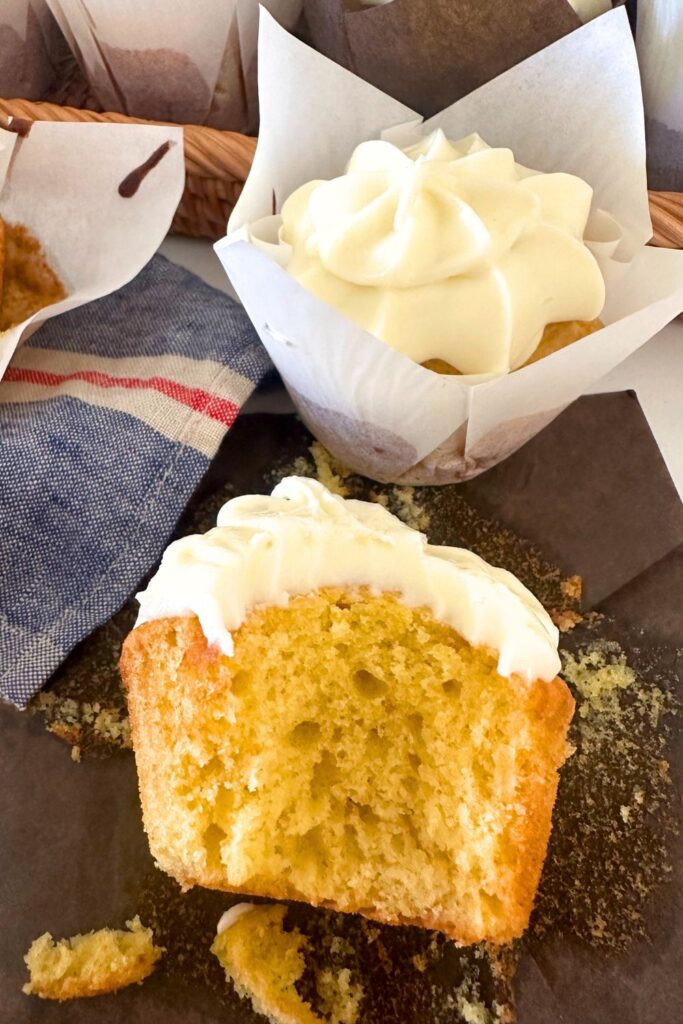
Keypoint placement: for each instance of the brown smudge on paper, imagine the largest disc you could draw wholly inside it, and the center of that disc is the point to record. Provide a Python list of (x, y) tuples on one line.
[(21, 126), (429, 53), (131, 183)]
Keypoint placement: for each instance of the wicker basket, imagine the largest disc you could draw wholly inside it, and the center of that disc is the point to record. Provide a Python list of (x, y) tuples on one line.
[(217, 164)]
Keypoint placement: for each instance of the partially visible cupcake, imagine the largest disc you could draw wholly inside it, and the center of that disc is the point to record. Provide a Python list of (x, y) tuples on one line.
[(27, 281)]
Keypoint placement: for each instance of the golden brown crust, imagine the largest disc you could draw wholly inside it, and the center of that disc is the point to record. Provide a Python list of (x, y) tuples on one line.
[(154, 722), (555, 337), (558, 336)]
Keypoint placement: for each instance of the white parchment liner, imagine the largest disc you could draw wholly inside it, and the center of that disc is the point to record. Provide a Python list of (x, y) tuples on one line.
[(62, 181), (575, 107)]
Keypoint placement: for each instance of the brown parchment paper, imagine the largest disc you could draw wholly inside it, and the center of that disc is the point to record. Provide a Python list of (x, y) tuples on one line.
[(429, 53), (73, 855)]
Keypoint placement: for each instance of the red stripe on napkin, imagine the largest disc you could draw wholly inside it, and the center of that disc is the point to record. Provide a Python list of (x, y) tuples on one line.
[(217, 408)]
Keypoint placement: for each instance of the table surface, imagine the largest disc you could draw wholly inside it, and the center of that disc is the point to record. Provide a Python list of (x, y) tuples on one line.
[(654, 372)]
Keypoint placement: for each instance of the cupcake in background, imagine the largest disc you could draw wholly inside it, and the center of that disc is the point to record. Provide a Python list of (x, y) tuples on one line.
[(429, 54), (197, 67), (31, 47)]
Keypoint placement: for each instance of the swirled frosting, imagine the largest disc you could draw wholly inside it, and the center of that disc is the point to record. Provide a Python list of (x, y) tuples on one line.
[(266, 549), (447, 250)]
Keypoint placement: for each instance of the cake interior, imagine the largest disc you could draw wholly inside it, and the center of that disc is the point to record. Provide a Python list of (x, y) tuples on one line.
[(354, 753)]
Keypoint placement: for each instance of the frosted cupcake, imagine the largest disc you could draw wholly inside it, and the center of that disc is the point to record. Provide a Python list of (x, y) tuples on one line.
[(449, 252), (326, 708)]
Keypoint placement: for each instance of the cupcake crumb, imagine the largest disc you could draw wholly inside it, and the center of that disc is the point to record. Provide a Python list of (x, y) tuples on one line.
[(565, 618), (572, 587)]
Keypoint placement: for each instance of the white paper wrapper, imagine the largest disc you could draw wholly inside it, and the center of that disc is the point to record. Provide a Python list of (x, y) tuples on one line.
[(30, 44), (169, 60), (574, 107), (61, 181), (660, 54)]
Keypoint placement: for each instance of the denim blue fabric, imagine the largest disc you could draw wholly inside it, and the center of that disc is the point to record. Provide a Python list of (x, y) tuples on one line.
[(90, 495)]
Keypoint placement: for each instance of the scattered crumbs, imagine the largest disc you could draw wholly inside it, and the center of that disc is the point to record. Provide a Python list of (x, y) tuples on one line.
[(472, 1011), (598, 673), (339, 996), (301, 466), (83, 722), (616, 804), (185, 924), (85, 704), (572, 588), (407, 974), (339, 946), (329, 471), (565, 618), (404, 502)]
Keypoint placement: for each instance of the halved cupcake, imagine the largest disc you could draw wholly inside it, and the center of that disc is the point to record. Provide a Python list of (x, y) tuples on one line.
[(326, 708)]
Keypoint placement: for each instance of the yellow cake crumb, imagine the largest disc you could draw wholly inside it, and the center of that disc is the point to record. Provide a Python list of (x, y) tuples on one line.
[(329, 471), (91, 964), (340, 997), (572, 587), (565, 619)]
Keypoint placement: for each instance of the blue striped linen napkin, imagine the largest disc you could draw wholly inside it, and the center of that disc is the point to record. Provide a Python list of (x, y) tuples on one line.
[(109, 417)]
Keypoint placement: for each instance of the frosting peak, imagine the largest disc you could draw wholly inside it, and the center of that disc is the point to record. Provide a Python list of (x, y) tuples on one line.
[(267, 549), (447, 250)]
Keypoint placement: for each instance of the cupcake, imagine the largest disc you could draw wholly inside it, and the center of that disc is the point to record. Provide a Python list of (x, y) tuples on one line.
[(326, 708), (432, 304)]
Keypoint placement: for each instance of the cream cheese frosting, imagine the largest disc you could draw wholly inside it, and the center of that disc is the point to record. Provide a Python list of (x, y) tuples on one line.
[(447, 250), (232, 915), (266, 549)]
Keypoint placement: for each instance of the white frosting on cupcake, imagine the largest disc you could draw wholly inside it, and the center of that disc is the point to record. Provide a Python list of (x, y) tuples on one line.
[(447, 250), (267, 549)]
